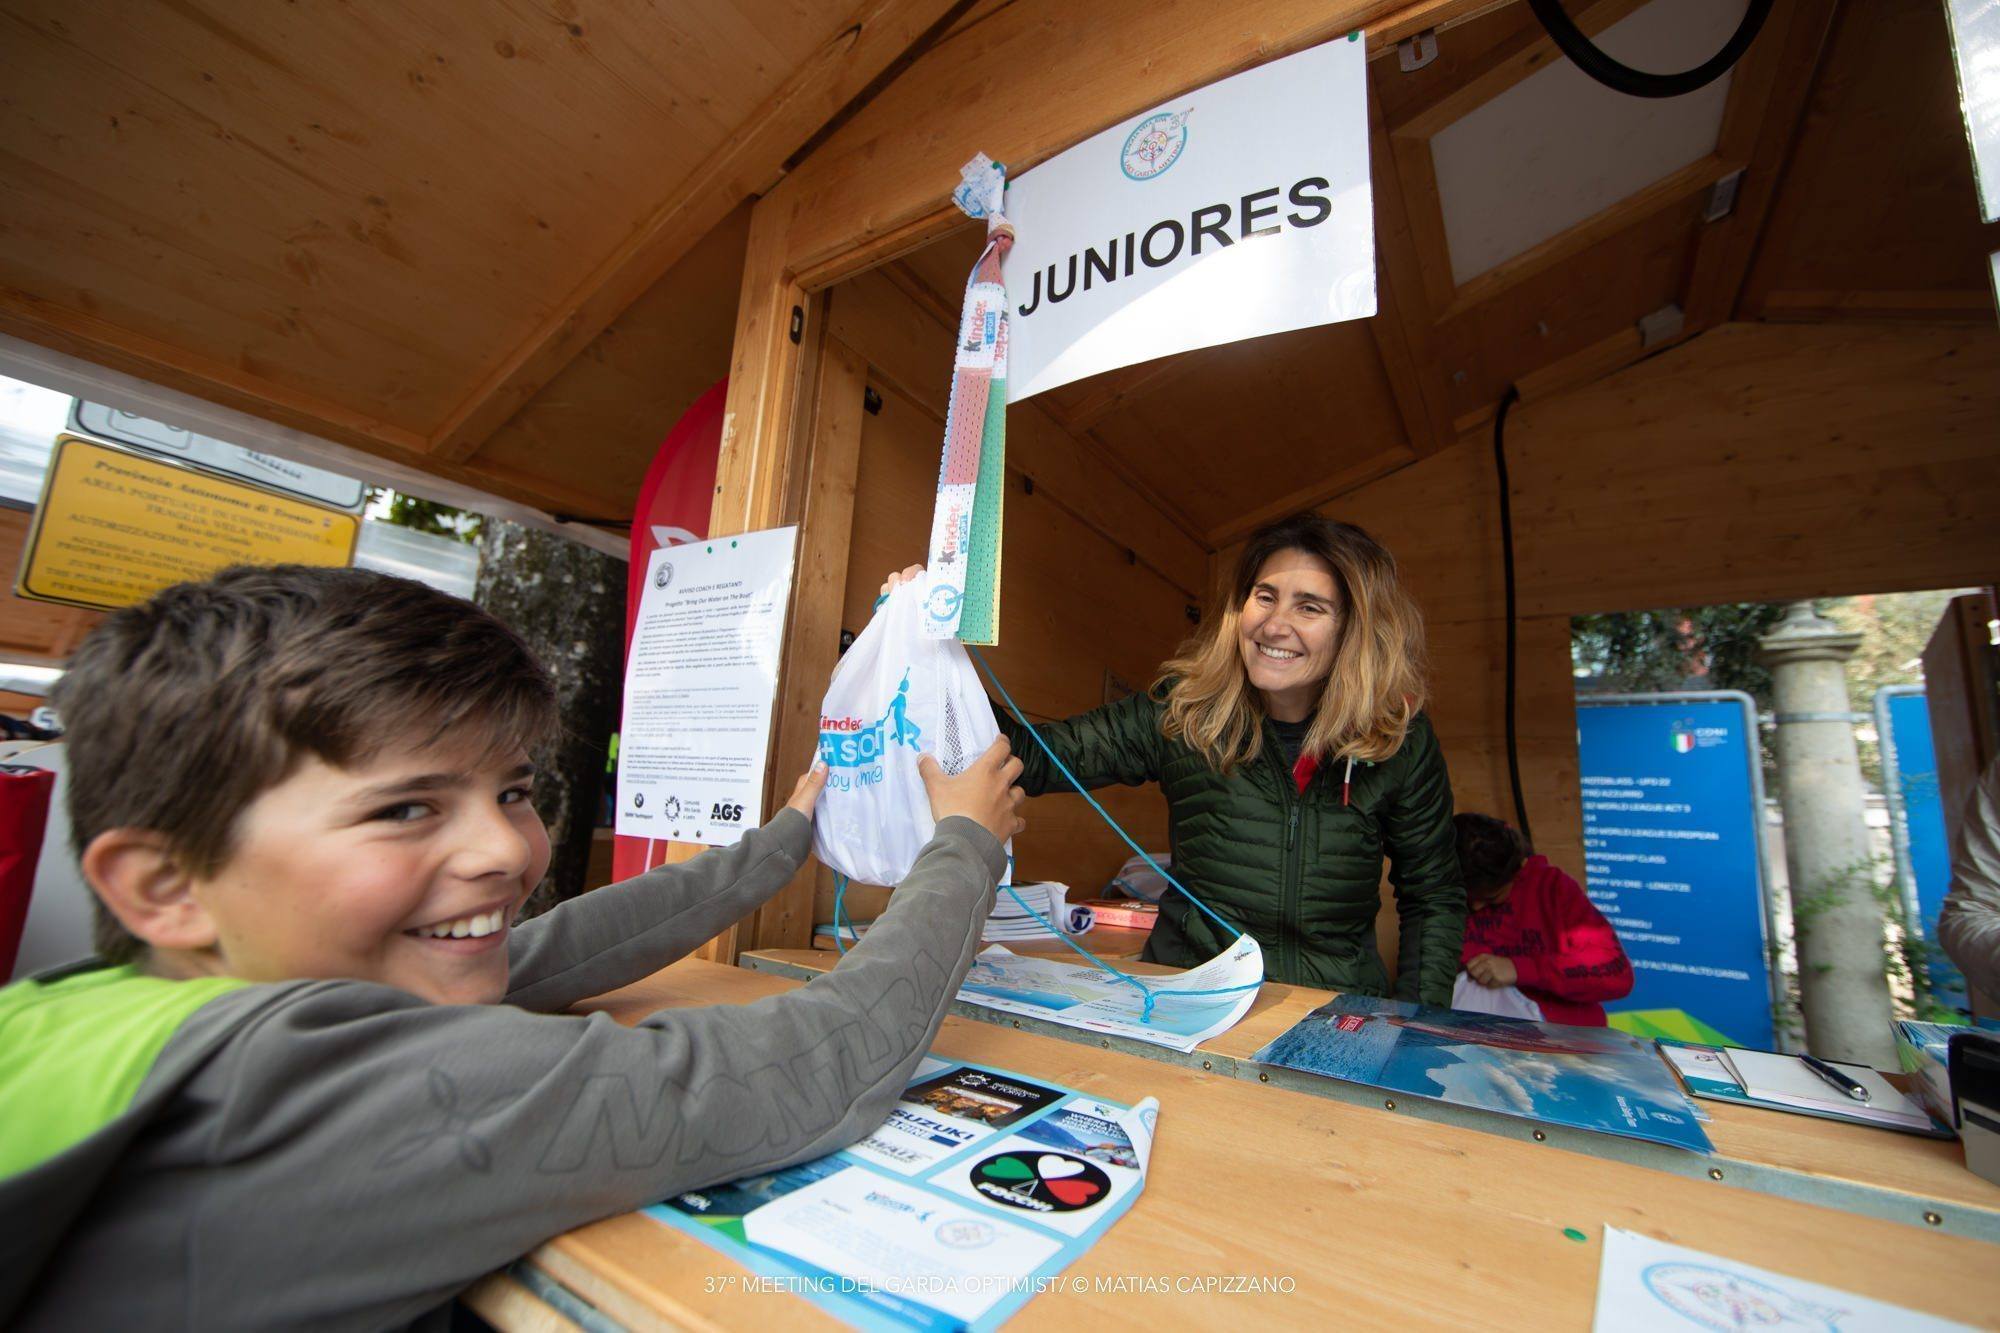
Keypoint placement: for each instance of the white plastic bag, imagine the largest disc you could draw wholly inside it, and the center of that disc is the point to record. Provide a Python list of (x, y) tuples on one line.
[(1506, 1001), (897, 695)]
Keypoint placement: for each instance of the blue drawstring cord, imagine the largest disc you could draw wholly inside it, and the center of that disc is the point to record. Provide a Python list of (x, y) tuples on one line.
[(1147, 995), (1146, 992)]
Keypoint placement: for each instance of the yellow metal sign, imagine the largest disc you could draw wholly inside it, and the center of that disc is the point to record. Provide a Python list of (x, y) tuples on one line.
[(115, 527)]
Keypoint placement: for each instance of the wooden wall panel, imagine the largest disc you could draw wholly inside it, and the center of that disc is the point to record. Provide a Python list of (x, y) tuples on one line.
[(1226, 429), (1755, 463), (1764, 462), (596, 426), (1876, 209), (33, 632)]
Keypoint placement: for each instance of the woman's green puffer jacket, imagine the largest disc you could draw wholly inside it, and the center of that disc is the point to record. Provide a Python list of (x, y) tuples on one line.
[(1299, 871)]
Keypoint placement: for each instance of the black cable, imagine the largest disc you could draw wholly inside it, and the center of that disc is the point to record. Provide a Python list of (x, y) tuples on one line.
[(1513, 396), (1638, 82)]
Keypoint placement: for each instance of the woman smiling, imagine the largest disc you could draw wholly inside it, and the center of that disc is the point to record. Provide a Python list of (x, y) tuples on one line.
[(1290, 741)]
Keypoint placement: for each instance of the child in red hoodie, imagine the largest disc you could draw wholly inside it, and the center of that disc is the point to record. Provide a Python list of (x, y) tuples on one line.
[(1532, 927)]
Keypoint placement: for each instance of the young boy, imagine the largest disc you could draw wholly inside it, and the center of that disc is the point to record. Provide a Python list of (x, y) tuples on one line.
[(315, 1077)]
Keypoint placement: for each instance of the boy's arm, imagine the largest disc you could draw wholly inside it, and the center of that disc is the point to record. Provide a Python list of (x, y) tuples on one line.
[(364, 1155), (625, 932)]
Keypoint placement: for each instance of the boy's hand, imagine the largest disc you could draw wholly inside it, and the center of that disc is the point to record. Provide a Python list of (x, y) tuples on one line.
[(984, 793), (889, 584), (1492, 971), (806, 794)]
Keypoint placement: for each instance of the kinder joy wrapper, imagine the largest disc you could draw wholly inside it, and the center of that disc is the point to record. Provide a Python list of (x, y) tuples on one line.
[(896, 696)]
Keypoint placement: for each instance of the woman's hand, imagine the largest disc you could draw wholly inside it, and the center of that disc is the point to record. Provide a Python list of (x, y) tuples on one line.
[(984, 793), (889, 584), (1492, 971), (806, 793)]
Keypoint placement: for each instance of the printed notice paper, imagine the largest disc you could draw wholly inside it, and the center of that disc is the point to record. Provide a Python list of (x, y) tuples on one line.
[(1648, 1286), (700, 678), (1188, 1007), (978, 1189)]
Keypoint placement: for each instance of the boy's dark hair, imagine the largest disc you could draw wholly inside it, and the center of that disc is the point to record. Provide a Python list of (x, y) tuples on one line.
[(1490, 852), (180, 711)]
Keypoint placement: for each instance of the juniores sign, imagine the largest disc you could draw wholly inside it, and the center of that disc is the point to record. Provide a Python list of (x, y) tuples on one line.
[(1240, 209)]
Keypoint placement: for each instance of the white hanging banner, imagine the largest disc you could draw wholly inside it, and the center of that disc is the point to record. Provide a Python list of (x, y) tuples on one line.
[(1238, 210)]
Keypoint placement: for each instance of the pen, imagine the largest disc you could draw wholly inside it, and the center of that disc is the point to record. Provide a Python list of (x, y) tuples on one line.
[(1836, 1078)]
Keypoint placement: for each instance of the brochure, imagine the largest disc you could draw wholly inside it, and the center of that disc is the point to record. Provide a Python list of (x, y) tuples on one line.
[(978, 1189), (1598, 1079), (1645, 1285), (1188, 1007)]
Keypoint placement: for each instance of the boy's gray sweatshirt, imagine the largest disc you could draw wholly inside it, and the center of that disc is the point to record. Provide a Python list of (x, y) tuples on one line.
[(341, 1154)]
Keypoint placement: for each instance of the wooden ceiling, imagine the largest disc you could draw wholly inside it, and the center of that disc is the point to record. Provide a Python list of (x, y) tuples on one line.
[(395, 224), (502, 242), (1856, 202)]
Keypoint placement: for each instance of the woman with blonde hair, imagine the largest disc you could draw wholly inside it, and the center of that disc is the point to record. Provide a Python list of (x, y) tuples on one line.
[(1290, 740)]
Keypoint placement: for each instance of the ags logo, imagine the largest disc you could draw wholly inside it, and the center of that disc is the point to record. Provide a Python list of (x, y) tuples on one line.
[(727, 813)]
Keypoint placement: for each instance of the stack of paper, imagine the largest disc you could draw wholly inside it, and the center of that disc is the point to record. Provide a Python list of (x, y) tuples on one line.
[(1012, 921), (1786, 1081)]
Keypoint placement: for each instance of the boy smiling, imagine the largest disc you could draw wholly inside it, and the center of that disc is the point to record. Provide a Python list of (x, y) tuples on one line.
[(316, 1075)]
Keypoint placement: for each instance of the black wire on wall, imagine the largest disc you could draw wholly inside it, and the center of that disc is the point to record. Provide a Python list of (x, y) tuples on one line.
[(1513, 396), (1585, 55)]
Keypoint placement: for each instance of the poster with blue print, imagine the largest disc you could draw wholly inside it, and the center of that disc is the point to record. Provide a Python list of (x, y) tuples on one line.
[(1586, 1078), (1916, 814), (1671, 817)]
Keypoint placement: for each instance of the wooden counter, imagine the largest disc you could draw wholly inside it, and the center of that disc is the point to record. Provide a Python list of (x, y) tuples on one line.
[(1379, 1220), (1876, 1172)]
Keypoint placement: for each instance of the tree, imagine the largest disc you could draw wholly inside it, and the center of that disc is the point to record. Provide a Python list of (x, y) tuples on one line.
[(411, 511), (1676, 648), (567, 602)]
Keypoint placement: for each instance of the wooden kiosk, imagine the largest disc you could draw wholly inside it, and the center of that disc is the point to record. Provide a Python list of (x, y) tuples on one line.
[(1822, 419), (1768, 369)]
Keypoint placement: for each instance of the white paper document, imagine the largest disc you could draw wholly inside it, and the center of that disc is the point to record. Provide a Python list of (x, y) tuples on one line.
[(1188, 1007), (1784, 1079), (1649, 1286), (700, 680), (1233, 211)]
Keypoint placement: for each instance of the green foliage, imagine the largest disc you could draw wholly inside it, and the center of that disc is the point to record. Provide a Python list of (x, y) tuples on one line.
[(409, 511), (1680, 647)]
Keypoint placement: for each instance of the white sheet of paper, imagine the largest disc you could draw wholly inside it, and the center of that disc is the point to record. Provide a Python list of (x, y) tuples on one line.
[(700, 681), (1086, 997), (1233, 211), (1649, 1286), (903, 1240), (1785, 1079)]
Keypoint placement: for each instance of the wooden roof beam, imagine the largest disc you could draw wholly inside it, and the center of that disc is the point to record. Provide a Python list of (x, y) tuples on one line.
[(1509, 62), (749, 163), (1402, 323), (1759, 126)]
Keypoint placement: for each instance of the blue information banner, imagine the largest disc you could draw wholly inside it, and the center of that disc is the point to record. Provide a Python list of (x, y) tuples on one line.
[(1926, 857), (1670, 828)]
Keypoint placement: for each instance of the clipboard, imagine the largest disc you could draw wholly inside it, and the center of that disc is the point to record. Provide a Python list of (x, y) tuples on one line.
[(1779, 1082)]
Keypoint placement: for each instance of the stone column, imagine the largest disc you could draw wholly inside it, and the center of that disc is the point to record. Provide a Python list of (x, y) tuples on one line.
[(1836, 914)]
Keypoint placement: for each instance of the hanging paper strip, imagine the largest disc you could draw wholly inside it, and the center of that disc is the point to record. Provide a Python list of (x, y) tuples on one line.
[(964, 598)]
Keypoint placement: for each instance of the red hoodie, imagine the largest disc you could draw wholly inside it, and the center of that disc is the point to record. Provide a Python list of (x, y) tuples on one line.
[(1568, 955)]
